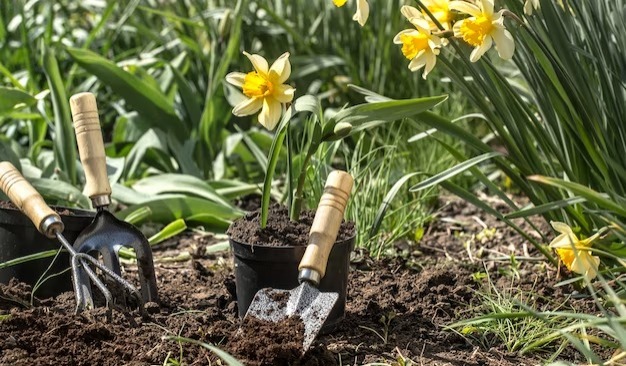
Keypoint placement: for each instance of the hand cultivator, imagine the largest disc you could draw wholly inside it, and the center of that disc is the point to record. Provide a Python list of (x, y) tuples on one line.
[(49, 223), (106, 235)]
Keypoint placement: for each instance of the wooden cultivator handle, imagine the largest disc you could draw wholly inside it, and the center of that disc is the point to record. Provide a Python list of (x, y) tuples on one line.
[(326, 223), (91, 147), (29, 201)]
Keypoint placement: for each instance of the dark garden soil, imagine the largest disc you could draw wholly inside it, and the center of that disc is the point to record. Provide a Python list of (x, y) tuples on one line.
[(280, 231), (396, 308)]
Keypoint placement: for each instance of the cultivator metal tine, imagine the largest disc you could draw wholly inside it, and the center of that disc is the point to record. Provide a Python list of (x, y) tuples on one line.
[(84, 275)]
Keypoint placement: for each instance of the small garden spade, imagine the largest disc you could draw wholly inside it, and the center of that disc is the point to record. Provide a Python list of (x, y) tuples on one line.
[(49, 223), (306, 301), (106, 235)]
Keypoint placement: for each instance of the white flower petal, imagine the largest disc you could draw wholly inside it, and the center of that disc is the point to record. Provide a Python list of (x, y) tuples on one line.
[(418, 62), (504, 43), (585, 264), (362, 12), (465, 7), (397, 40), (270, 114), (479, 51), (259, 63), (561, 227), (431, 61), (236, 78), (281, 69), (411, 12), (562, 241), (487, 6), (284, 93), (248, 107)]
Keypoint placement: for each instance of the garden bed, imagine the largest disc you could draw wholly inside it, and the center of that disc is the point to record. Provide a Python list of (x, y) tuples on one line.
[(396, 308)]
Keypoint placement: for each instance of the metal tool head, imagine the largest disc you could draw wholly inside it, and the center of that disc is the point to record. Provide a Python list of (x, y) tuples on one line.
[(103, 238), (305, 302)]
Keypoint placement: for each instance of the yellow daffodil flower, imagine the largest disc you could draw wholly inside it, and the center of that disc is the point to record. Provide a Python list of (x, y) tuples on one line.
[(362, 10), (574, 252), (483, 28), (265, 89), (419, 46), (440, 9), (530, 5)]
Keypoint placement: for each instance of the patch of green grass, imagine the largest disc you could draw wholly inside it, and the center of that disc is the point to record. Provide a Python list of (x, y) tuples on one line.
[(503, 318)]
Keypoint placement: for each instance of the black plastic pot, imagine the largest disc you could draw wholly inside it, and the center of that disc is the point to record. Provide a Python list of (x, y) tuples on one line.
[(258, 267), (19, 237)]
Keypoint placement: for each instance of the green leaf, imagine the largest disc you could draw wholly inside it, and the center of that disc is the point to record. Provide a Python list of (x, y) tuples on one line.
[(230, 360), (305, 103), (384, 206), (169, 231), (60, 191), (387, 111), (546, 207), (167, 208), (64, 138), (602, 200), (455, 170), (14, 99), (177, 183), (148, 101), (28, 258), (7, 153)]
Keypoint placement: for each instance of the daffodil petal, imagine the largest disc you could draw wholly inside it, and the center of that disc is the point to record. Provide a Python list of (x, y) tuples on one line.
[(561, 227), (362, 12), (339, 3), (479, 51), (505, 45), (284, 93), (270, 114), (281, 69), (411, 12), (562, 241), (248, 107), (487, 6), (431, 61), (465, 7), (236, 78), (585, 264), (397, 40), (259, 63), (418, 62)]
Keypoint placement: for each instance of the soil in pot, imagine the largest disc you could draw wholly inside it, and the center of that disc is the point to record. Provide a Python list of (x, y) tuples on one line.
[(280, 231)]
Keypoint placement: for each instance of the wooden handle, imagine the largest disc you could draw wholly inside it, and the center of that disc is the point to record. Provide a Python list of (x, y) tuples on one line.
[(327, 221), (29, 201), (90, 145)]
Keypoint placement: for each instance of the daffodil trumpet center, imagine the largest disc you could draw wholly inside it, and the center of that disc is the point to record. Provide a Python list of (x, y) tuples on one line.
[(257, 85), (475, 30), (412, 44), (439, 12)]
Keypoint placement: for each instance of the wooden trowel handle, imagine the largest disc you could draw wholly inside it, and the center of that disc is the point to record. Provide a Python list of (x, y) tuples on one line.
[(91, 147), (29, 201), (327, 221)]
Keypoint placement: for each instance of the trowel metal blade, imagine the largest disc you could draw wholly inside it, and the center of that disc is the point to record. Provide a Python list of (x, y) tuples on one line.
[(305, 301)]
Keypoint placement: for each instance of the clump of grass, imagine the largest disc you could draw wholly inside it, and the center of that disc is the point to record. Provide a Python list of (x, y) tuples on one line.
[(505, 318)]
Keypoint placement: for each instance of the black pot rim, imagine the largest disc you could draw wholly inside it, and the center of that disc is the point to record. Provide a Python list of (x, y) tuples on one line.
[(287, 247), (76, 212), (77, 221)]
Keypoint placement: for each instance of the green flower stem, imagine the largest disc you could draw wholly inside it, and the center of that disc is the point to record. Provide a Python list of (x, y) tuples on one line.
[(296, 207)]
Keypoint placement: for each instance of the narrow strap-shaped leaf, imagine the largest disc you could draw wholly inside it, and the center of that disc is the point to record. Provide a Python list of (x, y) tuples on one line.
[(455, 170)]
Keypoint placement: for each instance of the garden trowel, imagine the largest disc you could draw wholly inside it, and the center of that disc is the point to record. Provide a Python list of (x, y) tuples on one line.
[(306, 301)]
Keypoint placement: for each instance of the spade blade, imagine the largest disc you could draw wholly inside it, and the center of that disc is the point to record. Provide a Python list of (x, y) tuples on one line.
[(305, 302)]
